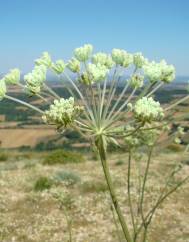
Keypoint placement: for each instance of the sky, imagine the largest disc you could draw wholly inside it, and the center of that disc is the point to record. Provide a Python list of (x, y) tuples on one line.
[(157, 28)]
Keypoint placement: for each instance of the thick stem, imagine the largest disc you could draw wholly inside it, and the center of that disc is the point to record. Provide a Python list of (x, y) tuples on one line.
[(145, 234), (102, 153)]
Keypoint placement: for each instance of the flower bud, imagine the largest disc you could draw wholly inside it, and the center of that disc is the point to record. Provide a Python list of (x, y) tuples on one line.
[(121, 57), (103, 59), (177, 140), (139, 60), (130, 106), (34, 80), (83, 53), (97, 72), (3, 89), (45, 60), (58, 67), (13, 77), (74, 65)]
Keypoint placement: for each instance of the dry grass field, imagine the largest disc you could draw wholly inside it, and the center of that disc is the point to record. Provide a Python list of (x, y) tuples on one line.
[(14, 138), (31, 214)]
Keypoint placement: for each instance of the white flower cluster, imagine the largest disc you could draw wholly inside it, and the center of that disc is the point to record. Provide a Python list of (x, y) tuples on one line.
[(83, 53), (35, 79), (73, 65), (58, 67), (121, 57), (62, 112), (13, 77), (136, 81), (103, 59), (97, 72), (139, 60), (159, 71), (3, 89), (44, 60), (147, 110)]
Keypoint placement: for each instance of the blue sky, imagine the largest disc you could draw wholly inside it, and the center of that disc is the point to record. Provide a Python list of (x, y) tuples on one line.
[(158, 28)]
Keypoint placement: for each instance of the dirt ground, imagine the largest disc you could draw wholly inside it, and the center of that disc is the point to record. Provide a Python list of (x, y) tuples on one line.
[(27, 215)]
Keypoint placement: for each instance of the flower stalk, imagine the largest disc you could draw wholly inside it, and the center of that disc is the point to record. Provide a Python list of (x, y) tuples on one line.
[(102, 153)]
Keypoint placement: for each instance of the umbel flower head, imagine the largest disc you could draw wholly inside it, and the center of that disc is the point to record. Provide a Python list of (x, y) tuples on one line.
[(159, 71), (121, 57), (73, 65), (103, 59), (83, 53), (136, 81), (58, 67), (147, 110), (62, 113), (45, 60), (35, 79), (3, 89), (13, 77), (97, 72), (167, 72), (139, 60)]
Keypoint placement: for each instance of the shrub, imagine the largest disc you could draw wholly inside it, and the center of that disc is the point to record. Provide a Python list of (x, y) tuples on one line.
[(94, 186), (119, 162), (67, 176), (185, 162), (29, 164), (175, 147), (63, 157), (3, 156), (43, 183)]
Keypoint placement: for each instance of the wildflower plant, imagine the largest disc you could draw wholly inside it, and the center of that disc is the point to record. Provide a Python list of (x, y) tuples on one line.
[(133, 118)]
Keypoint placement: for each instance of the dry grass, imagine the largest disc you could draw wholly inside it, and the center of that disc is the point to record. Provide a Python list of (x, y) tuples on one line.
[(29, 216)]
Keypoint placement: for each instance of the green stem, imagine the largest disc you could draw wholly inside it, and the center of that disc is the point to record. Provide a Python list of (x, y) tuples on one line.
[(150, 214), (24, 103), (176, 103), (69, 222), (144, 184), (129, 192), (51, 91), (102, 153), (116, 224), (145, 234)]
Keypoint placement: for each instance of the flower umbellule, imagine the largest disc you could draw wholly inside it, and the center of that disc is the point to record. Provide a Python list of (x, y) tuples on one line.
[(96, 111), (62, 112)]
